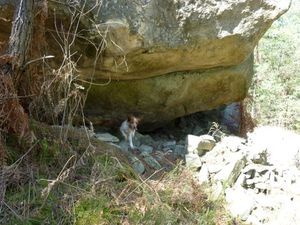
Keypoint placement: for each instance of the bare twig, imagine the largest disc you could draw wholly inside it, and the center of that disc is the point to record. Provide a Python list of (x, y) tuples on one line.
[(38, 59)]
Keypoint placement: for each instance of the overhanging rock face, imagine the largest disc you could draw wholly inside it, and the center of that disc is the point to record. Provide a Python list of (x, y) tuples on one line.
[(169, 58), (168, 96), (159, 38)]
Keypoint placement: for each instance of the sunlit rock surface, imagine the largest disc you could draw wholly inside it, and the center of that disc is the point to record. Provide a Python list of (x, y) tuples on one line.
[(162, 59)]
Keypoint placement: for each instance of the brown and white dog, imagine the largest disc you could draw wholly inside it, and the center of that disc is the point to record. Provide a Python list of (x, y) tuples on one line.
[(128, 128)]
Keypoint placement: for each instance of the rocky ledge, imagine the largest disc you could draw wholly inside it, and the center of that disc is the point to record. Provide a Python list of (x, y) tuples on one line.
[(161, 59)]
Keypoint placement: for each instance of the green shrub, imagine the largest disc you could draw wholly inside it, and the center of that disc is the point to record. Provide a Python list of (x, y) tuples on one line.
[(276, 89)]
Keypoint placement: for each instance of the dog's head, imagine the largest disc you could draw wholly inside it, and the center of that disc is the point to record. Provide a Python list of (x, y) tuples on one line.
[(133, 122)]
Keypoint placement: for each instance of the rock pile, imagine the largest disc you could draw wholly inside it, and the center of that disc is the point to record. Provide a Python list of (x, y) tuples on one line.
[(149, 155), (259, 176)]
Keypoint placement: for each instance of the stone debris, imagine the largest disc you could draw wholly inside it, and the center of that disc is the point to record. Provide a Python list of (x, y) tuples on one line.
[(193, 161), (233, 143), (192, 142), (107, 137), (214, 168), (203, 175), (169, 145), (123, 145), (151, 161), (137, 165), (259, 176), (280, 146), (146, 148), (216, 190), (230, 172), (206, 144), (180, 150), (244, 206), (200, 144), (140, 139)]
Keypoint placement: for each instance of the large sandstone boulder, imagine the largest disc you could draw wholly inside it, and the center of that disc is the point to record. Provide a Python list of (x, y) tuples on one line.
[(157, 37), (165, 59), (166, 97), (212, 41)]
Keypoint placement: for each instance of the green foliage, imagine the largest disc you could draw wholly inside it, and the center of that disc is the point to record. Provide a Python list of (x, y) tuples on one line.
[(37, 210), (95, 210), (64, 183), (175, 199), (276, 91), (48, 151)]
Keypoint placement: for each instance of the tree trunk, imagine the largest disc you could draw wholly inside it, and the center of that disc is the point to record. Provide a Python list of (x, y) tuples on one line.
[(12, 115), (20, 37), (11, 67)]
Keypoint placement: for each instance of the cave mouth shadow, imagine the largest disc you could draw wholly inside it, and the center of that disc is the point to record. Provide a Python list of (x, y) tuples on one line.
[(227, 117)]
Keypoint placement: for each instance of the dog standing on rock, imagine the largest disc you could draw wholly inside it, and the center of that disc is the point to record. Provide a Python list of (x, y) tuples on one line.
[(128, 128)]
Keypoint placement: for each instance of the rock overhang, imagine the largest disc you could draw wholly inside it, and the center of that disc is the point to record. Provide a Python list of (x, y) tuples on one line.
[(165, 59)]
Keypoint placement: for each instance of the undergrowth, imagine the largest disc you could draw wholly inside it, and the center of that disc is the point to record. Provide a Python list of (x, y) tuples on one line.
[(96, 187), (276, 90)]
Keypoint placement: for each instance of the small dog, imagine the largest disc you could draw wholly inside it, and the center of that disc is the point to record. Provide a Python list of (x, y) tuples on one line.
[(128, 128)]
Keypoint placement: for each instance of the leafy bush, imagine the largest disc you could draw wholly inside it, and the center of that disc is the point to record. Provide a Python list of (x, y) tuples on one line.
[(276, 86)]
